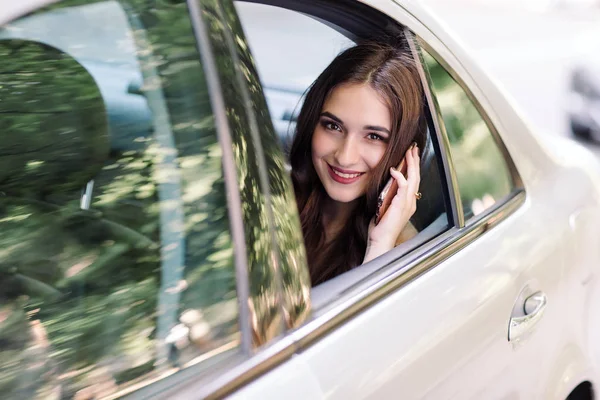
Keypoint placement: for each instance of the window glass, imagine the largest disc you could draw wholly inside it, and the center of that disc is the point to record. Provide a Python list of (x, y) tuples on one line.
[(482, 173), (116, 260), (289, 258)]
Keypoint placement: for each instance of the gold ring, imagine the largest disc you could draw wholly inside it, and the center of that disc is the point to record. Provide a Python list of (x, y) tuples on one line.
[(418, 195)]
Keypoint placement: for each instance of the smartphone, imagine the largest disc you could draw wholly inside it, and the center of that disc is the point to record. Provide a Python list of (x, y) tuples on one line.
[(388, 192)]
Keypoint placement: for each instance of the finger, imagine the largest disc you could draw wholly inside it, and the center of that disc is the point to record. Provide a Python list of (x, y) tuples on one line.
[(397, 212), (413, 182), (417, 161), (417, 168), (416, 154), (397, 175), (401, 194), (413, 172)]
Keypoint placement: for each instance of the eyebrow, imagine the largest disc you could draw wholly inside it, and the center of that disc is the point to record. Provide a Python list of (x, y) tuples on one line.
[(368, 127)]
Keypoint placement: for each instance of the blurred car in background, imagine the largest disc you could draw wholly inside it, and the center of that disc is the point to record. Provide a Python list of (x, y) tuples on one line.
[(584, 101)]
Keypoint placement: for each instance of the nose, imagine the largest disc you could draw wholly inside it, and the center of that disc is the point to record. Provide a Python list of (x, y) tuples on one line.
[(348, 153)]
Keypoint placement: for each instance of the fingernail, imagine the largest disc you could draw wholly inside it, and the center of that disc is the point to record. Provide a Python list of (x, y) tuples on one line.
[(394, 169), (413, 145)]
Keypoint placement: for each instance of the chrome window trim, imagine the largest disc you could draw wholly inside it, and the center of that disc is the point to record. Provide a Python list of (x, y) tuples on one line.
[(440, 132), (515, 176), (229, 172), (234, 377)]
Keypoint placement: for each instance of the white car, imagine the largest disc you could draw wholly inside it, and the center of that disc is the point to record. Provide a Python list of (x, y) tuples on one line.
[(150, 245), (583, 108)]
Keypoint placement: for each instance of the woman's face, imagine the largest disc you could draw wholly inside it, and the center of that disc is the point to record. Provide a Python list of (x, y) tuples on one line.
[(350, 139)]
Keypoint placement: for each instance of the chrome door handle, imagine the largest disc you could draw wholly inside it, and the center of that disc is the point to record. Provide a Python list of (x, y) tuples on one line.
[(533, 308)]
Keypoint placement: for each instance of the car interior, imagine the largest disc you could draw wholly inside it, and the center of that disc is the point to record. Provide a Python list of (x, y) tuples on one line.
[(59, 160), (70, 190)]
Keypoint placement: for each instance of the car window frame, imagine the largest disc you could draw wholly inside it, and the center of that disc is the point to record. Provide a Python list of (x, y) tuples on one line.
[(515, 178), (312, 330)]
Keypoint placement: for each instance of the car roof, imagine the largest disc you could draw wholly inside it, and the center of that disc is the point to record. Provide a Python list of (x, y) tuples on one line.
[(9, 9)]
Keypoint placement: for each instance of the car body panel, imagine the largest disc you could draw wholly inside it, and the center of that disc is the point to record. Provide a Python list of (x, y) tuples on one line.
[(293, 380)]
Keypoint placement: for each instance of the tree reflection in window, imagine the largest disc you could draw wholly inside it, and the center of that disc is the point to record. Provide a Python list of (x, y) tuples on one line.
[(482, 174), (100, 297)]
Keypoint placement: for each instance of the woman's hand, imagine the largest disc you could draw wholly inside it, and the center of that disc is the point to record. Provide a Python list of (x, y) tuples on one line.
[(382, 237)]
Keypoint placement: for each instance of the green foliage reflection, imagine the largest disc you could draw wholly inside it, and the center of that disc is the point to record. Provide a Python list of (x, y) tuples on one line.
[(482, 173), (95, 296)]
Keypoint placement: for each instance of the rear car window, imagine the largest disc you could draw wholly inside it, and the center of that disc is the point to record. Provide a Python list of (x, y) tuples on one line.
[(116, 260)]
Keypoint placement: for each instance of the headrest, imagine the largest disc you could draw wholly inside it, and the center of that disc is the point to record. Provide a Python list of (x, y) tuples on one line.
[(53, 123)]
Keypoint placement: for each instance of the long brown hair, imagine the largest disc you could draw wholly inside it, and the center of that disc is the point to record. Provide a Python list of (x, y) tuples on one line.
[(391, 71)]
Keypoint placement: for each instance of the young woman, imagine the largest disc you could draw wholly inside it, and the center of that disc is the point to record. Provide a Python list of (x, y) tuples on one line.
[(360, 118)]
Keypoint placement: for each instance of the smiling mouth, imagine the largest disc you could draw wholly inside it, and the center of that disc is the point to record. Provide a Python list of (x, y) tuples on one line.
[(345, 177)]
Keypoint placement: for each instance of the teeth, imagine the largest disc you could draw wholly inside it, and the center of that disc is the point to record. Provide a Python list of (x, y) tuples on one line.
[(347, 176)]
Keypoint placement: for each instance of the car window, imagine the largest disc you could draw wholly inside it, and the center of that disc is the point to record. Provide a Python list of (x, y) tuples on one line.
[(304, 48), (282, 301), (116, 259), (481, 170), (306, 45)]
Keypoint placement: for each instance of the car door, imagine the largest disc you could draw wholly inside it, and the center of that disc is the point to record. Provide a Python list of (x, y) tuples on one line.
[(435, 323), (553, 260)]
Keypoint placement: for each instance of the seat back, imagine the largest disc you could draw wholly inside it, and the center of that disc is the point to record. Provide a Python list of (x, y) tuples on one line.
[(54, 126)]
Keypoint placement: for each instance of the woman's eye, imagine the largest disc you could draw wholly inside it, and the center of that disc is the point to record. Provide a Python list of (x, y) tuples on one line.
[(374, 136), (332, 126)]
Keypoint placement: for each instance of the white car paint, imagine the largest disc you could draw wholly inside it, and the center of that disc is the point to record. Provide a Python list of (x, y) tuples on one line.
[(444, 335)]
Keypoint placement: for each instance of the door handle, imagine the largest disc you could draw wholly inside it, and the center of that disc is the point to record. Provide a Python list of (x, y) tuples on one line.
[(533, 308)]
